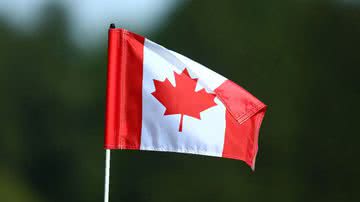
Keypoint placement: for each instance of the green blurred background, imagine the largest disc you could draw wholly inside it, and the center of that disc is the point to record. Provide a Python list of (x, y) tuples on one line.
[(301, 58)]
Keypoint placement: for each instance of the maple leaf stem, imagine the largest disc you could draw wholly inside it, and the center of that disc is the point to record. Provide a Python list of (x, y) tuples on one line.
[(181, 122)]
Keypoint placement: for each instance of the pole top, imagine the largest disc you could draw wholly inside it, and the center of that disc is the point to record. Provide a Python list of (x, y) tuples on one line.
[(112, 26)]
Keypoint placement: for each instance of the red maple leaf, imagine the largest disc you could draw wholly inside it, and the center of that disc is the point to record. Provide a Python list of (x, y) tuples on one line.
[(182, 98)]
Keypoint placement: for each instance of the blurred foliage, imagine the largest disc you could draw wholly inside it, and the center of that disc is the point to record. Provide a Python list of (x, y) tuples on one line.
[(299, 57)]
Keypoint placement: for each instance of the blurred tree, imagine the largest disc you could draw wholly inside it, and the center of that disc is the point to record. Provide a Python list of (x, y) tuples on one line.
[(52, 98)]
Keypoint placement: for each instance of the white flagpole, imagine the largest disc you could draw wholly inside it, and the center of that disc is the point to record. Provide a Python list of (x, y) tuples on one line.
[(107, 175), (107, 160)]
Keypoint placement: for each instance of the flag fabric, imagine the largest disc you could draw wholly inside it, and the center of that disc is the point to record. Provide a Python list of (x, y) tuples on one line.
[(160, 100)]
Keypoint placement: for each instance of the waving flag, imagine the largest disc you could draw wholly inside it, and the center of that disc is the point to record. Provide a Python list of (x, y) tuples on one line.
[(160, 100)]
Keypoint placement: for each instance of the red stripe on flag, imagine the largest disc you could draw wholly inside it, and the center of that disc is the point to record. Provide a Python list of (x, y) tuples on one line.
[(241, 140), (244, 114), (124, 90)]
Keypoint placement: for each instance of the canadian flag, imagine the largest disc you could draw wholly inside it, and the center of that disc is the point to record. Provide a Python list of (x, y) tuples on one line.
[(160, 100)]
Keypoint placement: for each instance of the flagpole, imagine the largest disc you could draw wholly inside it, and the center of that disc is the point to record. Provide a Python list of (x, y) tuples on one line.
[(107, 161), (107, 175)]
